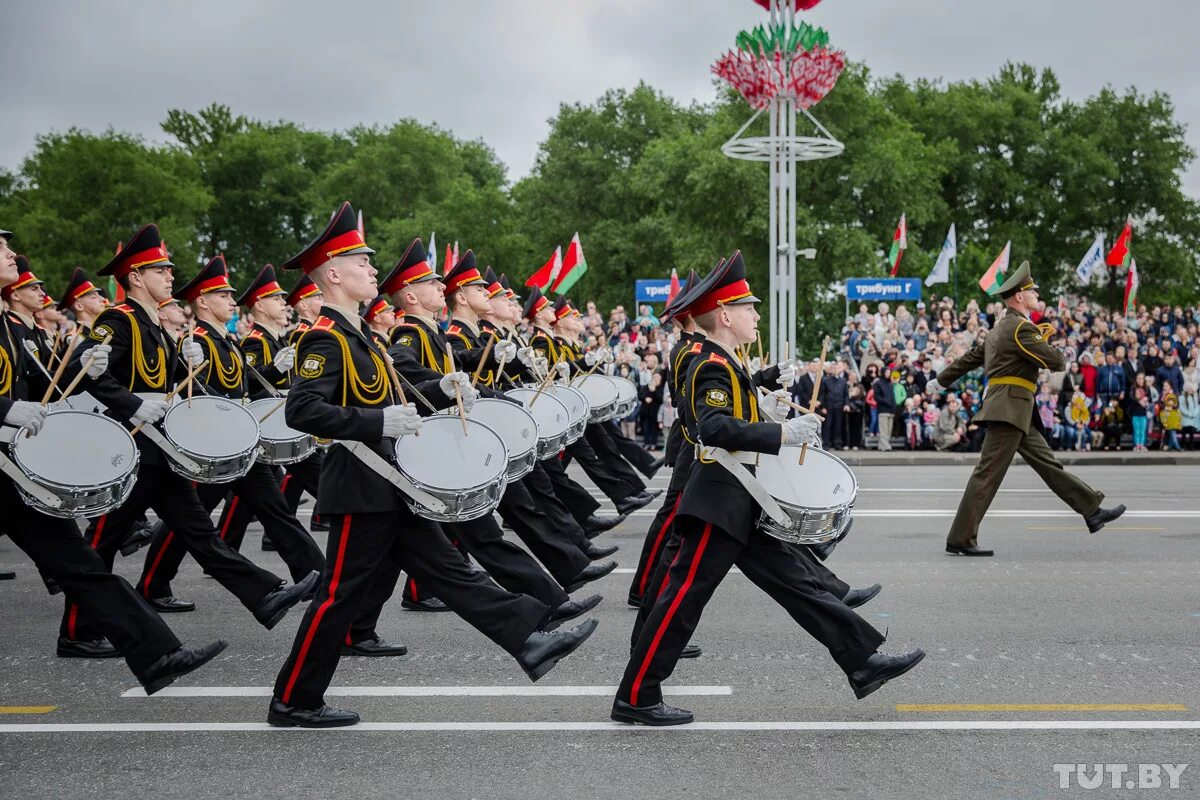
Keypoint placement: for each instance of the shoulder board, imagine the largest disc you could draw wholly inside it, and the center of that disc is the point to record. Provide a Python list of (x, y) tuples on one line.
[(124, 308), (454, 329), (12, 317), (716, 359), (301, 327), (199, 331), (696, 348), (255, 334), (323, 324)]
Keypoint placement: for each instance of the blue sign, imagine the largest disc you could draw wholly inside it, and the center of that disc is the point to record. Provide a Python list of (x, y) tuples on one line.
[(883, 289), (653, 290)]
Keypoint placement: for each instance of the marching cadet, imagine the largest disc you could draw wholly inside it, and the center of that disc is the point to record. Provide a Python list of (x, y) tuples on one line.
[(1012, 355), (83, 299), (305, 299), (420, 354), (25, 298), (211, 298), (345, 391), (143, 365), (119, 614), (171, 318), (623, 488), (380, 316), (717, 520)]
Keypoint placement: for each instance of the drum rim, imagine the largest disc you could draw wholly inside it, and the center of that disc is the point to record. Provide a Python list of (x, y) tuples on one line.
[(566, 410), (821, 509), (262, 436), (587, 404), (618, 380), (497, 402), (15, 455), (433, 490), (208, 399)]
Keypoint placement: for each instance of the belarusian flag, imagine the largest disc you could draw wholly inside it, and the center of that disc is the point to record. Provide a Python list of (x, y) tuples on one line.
[(673, 291), (1131, 287), (574, 267), (449, 263), (991, 280), (899, 245), (548, 272), (1119, 255), (431, 253)]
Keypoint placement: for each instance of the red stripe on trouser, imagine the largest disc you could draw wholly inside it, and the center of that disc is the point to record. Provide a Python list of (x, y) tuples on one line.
[(652, 560), (72, 615), (316, 620), (99, 531), (146, 581), (662, 627), (287, 476), (229, 516), (412, 589), (73, 610)]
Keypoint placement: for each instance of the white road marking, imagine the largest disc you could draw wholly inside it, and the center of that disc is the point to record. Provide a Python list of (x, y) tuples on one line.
[(610, 727), (631, 570), (426, 691)]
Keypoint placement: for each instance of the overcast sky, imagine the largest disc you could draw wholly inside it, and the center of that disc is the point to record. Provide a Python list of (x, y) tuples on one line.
[(498, 70)]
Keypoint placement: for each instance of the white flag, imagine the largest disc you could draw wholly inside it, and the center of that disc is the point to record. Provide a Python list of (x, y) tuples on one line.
[(941, 268), (431, 253), (1093, 261)]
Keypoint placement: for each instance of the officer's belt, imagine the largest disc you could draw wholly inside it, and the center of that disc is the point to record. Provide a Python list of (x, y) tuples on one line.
[(733, 463), (1013, 380)]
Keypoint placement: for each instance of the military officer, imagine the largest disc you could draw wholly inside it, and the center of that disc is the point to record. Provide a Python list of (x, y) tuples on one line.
[(25, 297), (1011, 355), (345, 392), (716, 520)]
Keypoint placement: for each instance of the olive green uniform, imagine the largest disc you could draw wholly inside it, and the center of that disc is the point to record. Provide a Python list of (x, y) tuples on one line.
[(1011, 355)]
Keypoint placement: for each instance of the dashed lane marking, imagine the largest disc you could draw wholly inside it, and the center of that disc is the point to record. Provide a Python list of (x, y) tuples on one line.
[(426, 691), (27, 709), (1036, 707)]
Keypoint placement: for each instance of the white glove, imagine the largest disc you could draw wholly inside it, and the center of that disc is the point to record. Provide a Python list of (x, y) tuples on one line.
[(504, 351), (285, 359), (26, 414), (527, 356), (933, 387), (776, 404), (193, 353), (463, 381), (400, 421), (97, 360), (755, 364), (564, 370), (787, 373), (607, 356), (149, 412), (591, 357), (803, 429), (540, 365)]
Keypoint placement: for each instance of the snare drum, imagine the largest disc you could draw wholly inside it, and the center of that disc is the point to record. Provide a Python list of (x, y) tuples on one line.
[(464, 471), (277, 443), (601, 394), (627, 396), (219, 434), (818, 496), (87, 460), (553, 420), (577, 408), (516, 427)]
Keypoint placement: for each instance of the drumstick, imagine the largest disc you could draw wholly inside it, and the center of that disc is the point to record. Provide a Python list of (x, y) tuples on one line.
[(586, 374), (79, 377), (812, 403), (391, 370), (487, 351), (462, 415), (171, 394), (275, 408), (54, 347), (61, 367), (191, 338), (785, 401), (548, 380)]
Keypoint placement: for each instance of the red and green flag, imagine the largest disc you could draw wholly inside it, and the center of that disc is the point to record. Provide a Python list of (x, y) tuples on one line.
[(991, 280), (574, 267), (899, 245), (1120, 255), (1131, 289), (673, 291), (549, 272)]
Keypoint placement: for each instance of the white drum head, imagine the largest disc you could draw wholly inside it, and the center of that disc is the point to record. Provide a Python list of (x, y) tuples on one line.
[(598, 390), (444, 458), (551, 415), (575, 401), (824, 480), (77, 448), (626, 391), (515, 425), (213, 427), (274, 427)]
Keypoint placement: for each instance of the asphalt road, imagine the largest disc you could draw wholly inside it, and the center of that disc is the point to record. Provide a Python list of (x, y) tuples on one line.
[(1064, 649)]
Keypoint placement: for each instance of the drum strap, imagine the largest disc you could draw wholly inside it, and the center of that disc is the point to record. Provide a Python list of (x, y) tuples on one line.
[(735, 467), (9, 468), (377, 464), (169, 450)]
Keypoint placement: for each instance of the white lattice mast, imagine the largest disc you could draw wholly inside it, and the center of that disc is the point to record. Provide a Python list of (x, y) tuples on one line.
[(794, 79)]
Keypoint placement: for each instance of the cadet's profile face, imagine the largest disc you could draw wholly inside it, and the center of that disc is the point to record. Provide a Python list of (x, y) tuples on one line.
[(386, 319), (430, 294), (156, 281), (310, 307), (89, 306), (28, 298), (8, 263), (273, 310), (545, 317), (220, 305), (476, 297), (355, 275), (743, 321)]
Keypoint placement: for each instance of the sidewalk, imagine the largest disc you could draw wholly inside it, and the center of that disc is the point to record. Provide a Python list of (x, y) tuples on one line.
[(932, 458)]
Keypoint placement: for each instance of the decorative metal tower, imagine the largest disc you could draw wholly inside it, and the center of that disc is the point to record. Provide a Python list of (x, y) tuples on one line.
[(781, 69)]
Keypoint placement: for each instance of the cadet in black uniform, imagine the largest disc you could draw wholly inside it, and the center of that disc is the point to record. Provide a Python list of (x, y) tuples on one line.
[(212, 301), (24, 297), (380, 316), (345, 391), (142, 367), (83, 299), (716, 521), (118, 614)]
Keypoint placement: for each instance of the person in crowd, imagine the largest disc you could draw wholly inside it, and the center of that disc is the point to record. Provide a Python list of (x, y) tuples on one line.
[(1080, 421), (651, 396), (1139, 412), (1171, 420), (1170, 374), (855, 411), (950, 431), (913, 420), (1189, 411), (885, 406), (1112, 423)]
